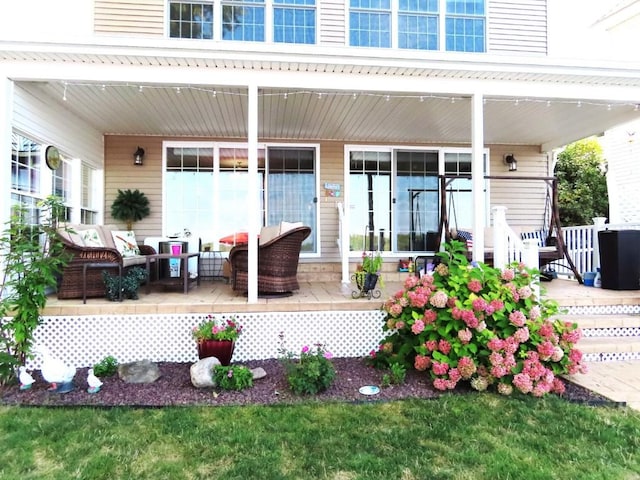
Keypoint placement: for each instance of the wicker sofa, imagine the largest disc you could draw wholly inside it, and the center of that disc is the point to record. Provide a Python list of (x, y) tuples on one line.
[(96, 244), (278, 255)]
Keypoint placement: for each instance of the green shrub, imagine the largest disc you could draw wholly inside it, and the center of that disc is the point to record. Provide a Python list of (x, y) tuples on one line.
[(312, 372), (106, 367), (233, 377), (472, 322)]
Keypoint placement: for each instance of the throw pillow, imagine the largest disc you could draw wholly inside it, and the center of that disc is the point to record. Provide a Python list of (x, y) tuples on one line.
[(90, 238), (125, 241), (286, 226), (269, 233)]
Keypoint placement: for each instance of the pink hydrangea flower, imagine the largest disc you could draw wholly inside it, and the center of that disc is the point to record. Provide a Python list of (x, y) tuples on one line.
[(431, 345), (410, 282), (479, 304), (395, 310), (474, 285), (534, 312), (517, 318), (469, 318), (438, 299), (508, 275), (545, 349), (466, 367), (505, 389), (444, 346), (422, 362), (523, 383), (465, 335), (417, 327), (521, 334), (440, 368), (430, 316), (525, 292), (495, 344)]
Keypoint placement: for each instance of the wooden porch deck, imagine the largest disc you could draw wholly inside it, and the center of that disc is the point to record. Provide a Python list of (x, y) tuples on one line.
[(214, 296)]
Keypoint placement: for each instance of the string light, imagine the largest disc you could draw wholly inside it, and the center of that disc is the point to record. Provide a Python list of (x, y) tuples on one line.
[(354, 95)]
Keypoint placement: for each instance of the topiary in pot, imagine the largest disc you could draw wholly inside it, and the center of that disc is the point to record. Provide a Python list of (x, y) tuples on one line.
[(130, 206)]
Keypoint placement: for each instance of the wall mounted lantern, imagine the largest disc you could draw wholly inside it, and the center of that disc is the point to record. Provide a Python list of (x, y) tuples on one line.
[(138, 156), (510, 160)]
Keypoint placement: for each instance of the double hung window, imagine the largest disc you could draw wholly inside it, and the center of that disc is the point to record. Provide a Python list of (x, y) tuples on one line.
[(191, 20), (294, 21), (451, 25)]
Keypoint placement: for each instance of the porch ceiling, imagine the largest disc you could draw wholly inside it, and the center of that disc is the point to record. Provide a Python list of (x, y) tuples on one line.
[(193, 111), (366, 98)]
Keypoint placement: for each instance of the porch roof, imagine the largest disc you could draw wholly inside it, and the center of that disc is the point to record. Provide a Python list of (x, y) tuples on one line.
[(342, 94)]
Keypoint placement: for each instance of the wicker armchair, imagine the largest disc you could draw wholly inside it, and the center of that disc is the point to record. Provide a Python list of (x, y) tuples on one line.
[(277, 263), (70, 284)]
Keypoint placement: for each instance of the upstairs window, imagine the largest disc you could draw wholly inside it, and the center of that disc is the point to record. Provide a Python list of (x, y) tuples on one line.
[(418, 24), (370, 23), (294, 21), (465, 26), (191, 20), (243, 20)]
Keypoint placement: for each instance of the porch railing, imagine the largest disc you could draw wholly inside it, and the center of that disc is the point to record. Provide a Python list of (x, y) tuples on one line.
[(582, 245)]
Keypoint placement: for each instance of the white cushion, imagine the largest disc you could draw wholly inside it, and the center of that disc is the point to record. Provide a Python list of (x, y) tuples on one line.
[(91, 238), (269, 233), (286, 226), (125, 241)]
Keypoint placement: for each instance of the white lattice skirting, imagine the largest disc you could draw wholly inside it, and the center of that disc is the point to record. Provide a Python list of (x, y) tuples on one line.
[(83, 341)]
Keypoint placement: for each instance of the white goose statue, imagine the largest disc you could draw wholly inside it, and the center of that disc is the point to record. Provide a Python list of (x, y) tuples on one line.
[(26, 380), (54, 371), (94, 382)]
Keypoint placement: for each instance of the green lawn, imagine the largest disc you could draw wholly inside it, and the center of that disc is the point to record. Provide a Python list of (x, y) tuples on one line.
[(475, 436)]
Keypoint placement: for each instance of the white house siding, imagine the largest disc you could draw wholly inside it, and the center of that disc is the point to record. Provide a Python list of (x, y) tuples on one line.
[(332, 22), (517, 26), (135, 17), (524, 199), (621, 147), (48, 123)]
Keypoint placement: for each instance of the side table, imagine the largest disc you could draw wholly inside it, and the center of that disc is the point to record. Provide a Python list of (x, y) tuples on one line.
[(184, 268), (87, 265)]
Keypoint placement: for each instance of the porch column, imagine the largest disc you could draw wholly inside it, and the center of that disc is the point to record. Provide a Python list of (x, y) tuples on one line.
[(6, 110), (253, 208), (477, 175)]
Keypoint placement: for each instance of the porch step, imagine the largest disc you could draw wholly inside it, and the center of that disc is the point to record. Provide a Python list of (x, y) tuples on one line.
[(608, 337)]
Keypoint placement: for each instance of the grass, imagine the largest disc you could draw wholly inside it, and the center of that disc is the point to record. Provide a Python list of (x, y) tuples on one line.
[(455, 437)]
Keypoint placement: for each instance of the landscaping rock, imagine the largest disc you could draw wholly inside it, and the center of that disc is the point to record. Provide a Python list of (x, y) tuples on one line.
[(258, 373), (201, 372), (143, 371)]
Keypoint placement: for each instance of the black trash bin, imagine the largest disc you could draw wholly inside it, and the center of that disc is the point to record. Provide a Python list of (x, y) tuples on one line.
[(620, 259)]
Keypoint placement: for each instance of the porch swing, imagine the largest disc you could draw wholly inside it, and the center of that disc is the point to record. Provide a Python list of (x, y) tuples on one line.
[(551, 246)]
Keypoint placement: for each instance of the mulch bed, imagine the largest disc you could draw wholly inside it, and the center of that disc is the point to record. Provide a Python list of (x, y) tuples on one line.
[(174, 388)]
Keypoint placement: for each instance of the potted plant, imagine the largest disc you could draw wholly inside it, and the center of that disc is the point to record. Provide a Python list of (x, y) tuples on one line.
[(217, 339), (130, 206), (368, 272)]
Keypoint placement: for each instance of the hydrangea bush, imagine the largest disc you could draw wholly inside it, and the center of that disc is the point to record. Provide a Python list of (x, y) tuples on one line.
[(479, 324)]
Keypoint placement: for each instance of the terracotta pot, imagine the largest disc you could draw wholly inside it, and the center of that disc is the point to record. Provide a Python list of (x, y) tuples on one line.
[(221, 349)]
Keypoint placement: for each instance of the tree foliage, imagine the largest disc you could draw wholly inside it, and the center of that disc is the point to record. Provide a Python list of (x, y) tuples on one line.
[(582, 183)]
